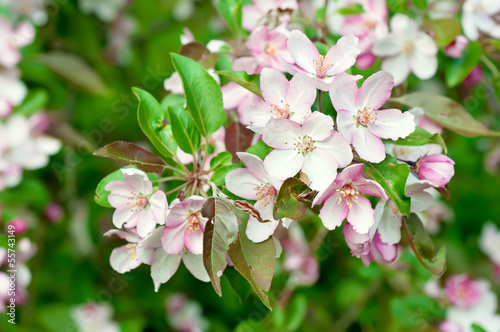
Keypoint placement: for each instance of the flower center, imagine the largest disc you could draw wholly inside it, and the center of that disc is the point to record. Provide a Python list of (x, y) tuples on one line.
[(281, 112), (349, 194), (132, 250), (322, 65), (365, 117), (193, 223), (408, 48), (304, 145), (370, 23), (138, 202), (270, 50), (265, 193)]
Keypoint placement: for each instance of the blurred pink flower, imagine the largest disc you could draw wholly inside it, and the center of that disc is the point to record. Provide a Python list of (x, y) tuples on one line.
[(11, 39), (463, 292), (259, 9), (457, 47)]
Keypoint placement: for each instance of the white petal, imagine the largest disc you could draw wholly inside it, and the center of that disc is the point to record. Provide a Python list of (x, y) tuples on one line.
[(194, 263), (393, 124), (283, 164), (164, 267)]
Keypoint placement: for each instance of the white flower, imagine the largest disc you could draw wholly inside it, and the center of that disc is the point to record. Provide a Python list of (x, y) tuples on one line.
[(478, 15), (93, 317)]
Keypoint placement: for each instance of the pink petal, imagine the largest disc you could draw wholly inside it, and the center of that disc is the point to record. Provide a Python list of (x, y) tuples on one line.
[(158, 203), (120, 191), (393, 124), (164, 267), (360, 216), (321, 169), (368, 146), (349, 174), (369, 187), (194, 263), (282, 164), (337, 146), (332, 213), (177, 215), (172, 239), (194, 241), (354, 237), (242, 183), (124, 258), (281, 133), (254, 165), (343, 93), (129, 236), (399, 66), (343, 54), (273, 85), (318, 126), (375, 91), (302, 50)]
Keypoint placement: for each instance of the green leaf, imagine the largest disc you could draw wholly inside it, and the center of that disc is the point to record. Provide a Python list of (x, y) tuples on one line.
[(296, 312), (249, 82), (172, 99), (222, 159), (421, 137), (35, 101), (31, 192), (203, 95), (354, 9), (322, 48), (75, 71), (255, 262), (449, 113), (288, 201), (458, 69), (392, 177), (240, 287), (445, 30), (219, 176), (151, 120), (220, 232), (130, 154), (184, 130), (260, 149), (477, 328), (230, 11), (422, 246)]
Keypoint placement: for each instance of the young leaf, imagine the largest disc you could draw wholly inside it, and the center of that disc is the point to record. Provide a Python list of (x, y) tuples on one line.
[(184, 130), (458, 69), (151, 120), (422, 246), (445, 30), (421, 137), (255, 262), (35, 101), (230, 10), (172, 99), (130, 154), (392, 177), (220, 231), (288, 201), (220, 160), (243, 79), (75, 71), (238, 138), (260, 149), (203, 95), (354, 9), (446, 112)]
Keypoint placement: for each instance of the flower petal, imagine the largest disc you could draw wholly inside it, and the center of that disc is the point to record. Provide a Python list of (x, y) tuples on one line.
[(337, 146), (164, 267), (318, 126), (424, 66), (349, 174), (124, 258), (321, 169), (281, 133), (398, 66), (360, 215), (332, 213), (393, 124), (368, 146), (375, 91), (302, 50), (343, 54), (282, 164), (242, 183), (273, 85), (343, 93), (257, 231), (194, 263), (172, 239), (194, 241), (389, 222)]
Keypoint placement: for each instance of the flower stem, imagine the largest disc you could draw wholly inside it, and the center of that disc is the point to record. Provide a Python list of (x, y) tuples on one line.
[(177, 188), (490, 65)]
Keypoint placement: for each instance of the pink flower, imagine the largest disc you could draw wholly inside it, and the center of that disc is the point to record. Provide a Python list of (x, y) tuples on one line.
[(407, 49), (184, 227), (136, 203), (436, 168), (323, 69), (479, 15), (20, 226), (369, 247), (344, 199), (11, 39), (254, 13), (125, 258), (255, 183), (463, 292), (359, 118), (474, 78), (313, 148), (282, 99), (457, 47), (54, 212), (268, 46)]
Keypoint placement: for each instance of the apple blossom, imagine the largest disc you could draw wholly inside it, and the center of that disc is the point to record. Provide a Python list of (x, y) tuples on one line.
[(282, 99), (463, 292), (343, 199), (435, 168), (125, 258), (478, 15), (255, 183), (12, 91), (267, 46), (323, 69), (137, 203), (457, 47), (312, 147), (489, 242), (253, 14), (359, 118), (185, 315), (407, 49), (105, 10), (369, 247), (34, 10), (184, 227), (94, 317), (11, 39)]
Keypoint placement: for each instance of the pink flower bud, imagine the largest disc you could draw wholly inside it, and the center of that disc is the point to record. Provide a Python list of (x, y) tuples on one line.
[(436, 168), (475, 76), (20, 226), (457, 47), (54, 212)]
